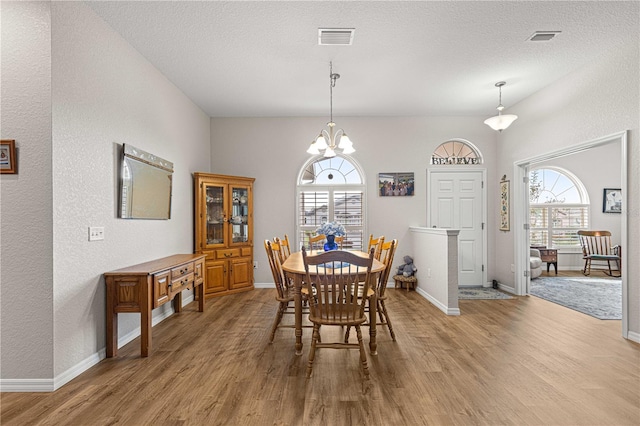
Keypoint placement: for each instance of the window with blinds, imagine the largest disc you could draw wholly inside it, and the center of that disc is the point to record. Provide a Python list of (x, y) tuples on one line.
[(559, 208), (331, 190)]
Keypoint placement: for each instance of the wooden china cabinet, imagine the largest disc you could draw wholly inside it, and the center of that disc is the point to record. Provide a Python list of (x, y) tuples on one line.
[(224, 231)]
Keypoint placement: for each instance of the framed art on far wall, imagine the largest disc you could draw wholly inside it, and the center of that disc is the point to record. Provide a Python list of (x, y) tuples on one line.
[(504, 205), (8, 161), (612, 200), (395, 184)]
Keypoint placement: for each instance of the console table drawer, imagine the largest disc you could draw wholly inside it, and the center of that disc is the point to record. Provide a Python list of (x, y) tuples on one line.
[(182, 270), (181, 283)]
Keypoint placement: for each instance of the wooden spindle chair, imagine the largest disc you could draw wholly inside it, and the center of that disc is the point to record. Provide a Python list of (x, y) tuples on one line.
[(596, 247), (284, 292), (334, 301), (387, 253)]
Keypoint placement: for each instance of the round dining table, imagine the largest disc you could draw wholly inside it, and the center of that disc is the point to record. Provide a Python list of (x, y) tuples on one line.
[(293, 267)]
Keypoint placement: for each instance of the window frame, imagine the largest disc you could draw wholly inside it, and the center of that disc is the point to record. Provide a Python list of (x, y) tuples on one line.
[(331, 190), (550, 207)]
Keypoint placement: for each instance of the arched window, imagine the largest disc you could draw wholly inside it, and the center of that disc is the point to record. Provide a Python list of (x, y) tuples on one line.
[(331, 189), (456, 152), (559, 208)]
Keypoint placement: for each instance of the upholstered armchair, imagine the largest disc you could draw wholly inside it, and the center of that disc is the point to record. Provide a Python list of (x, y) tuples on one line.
[(535, 263)]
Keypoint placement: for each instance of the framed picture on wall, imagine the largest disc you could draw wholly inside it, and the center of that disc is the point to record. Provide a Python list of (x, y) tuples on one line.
[(504, 205), (8, 156), (612, 200), (395, 184)]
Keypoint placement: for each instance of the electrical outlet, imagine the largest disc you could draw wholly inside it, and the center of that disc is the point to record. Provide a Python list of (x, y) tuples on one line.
[(428, 272), (513, 267), (96, 233), (255, 264)]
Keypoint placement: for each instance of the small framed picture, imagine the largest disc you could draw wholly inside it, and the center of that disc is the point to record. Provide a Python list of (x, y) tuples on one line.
[(8, 156), (612, 200), (395, 184)]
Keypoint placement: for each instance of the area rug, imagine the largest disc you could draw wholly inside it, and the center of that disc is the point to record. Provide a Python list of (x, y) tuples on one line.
[(481, 293), (601, 298)]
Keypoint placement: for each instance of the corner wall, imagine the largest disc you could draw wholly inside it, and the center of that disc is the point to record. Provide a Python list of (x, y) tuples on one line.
[(105, 94), (26, 234)]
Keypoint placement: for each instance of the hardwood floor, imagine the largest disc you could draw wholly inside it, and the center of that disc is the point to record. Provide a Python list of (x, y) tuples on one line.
[(523, 361)]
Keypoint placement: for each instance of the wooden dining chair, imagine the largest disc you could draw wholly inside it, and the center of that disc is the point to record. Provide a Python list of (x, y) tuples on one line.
[(285, 247), (375, 243), (387, 252), (284, 292), (340, 241), (316, 242), (334, 302)]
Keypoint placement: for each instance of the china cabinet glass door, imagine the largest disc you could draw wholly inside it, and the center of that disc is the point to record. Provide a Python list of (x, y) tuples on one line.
[(239, 218), (216, 216)]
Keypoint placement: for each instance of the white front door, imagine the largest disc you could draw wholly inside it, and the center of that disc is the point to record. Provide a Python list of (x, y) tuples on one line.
[(456, 202)]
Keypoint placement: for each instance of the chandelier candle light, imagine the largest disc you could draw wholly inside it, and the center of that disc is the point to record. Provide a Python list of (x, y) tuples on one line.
[(500, 122), (328, 141)]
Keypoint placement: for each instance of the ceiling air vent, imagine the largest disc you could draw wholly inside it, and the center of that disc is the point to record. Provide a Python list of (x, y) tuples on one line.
[(335, 36), (543, 35)]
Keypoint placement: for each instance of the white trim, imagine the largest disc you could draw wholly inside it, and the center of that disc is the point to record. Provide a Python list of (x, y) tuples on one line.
[(521, 208), (437, 303)]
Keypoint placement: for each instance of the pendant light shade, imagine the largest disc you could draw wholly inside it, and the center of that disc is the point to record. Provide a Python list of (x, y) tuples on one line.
[(500, 122)]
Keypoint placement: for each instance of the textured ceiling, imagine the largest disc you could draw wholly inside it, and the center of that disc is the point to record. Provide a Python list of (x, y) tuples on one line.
[(436, 58)]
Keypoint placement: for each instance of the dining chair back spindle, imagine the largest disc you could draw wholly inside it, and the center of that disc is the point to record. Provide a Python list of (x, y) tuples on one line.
[(376, 243), (336, 275), (285, 247), (316, 242)]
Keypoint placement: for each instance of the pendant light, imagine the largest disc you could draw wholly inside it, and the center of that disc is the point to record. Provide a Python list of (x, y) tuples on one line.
[(329, 141), (500, 122)]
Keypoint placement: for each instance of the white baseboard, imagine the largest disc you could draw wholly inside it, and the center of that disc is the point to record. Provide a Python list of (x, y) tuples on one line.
[(264, 285), (50, 385), (437, 303), (633, 336), (26, 385)]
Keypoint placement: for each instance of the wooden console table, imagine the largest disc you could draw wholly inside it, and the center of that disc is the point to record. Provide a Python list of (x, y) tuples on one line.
[(143, 287)]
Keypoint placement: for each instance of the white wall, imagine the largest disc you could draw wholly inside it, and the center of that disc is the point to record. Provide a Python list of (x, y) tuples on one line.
[(26, 237), (598, 100), (273, 150), (104, 93)]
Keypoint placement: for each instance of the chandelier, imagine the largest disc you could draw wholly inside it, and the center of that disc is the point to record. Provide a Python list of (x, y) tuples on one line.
[(500, 122), (329, 141)]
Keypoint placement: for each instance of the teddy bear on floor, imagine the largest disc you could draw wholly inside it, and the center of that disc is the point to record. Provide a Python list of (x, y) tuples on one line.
[(408, 269)]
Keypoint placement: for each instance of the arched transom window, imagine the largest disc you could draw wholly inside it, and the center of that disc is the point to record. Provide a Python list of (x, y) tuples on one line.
[(456, 152), (331, 189), (559, 208)]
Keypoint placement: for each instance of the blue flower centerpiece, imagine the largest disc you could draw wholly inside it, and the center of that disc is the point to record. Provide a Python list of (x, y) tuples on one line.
[(331, 230)]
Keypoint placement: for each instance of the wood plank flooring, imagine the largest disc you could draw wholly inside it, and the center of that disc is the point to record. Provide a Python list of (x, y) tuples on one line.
[(523, 361)]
